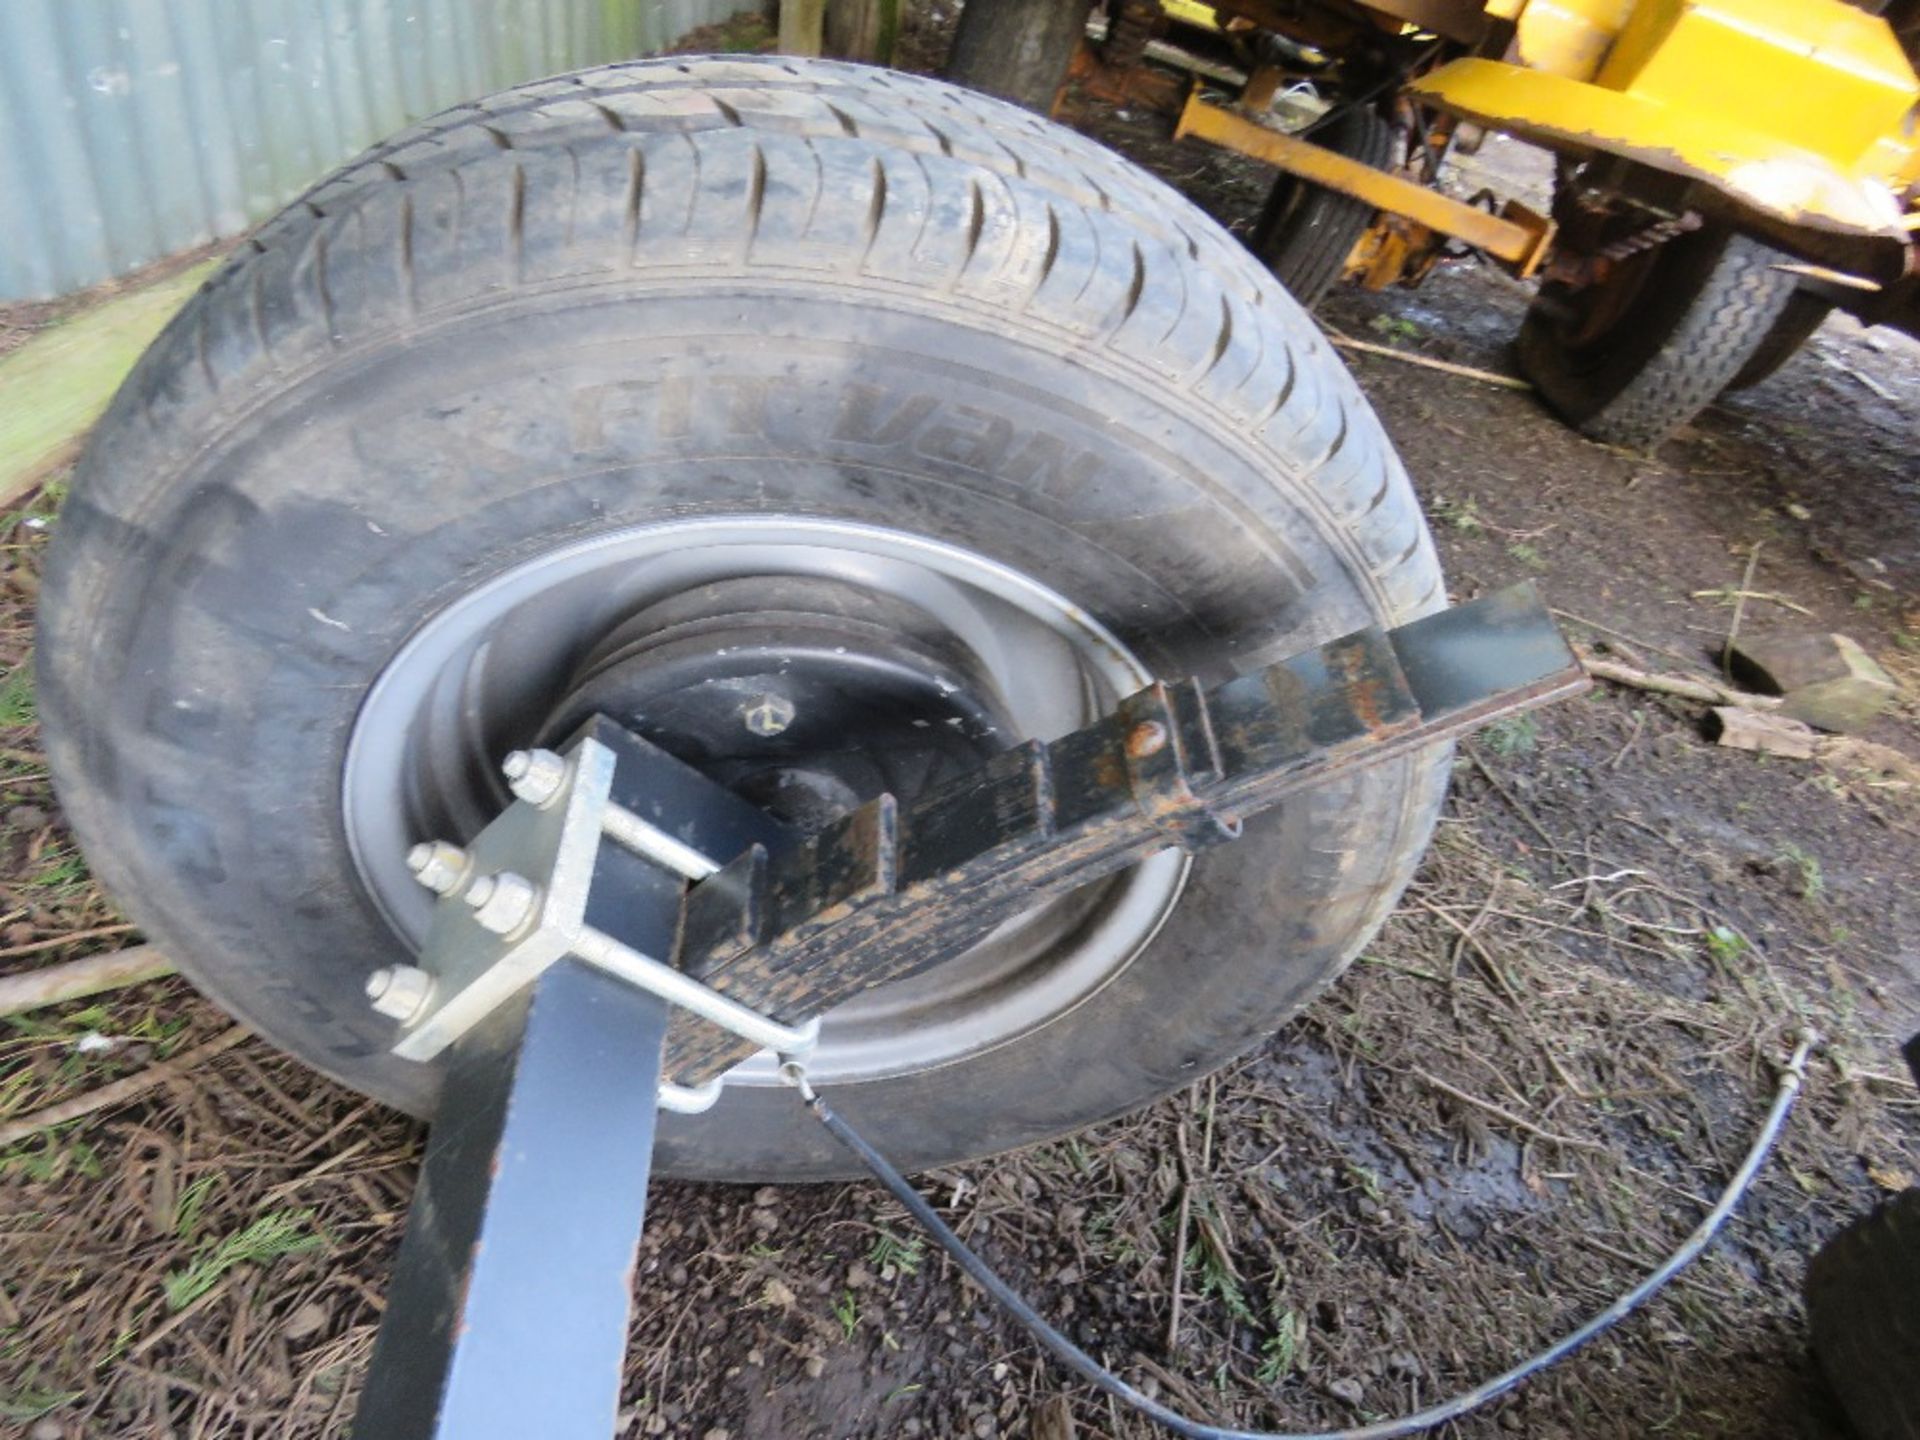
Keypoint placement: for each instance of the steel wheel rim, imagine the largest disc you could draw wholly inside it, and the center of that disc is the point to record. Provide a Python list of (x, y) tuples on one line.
[(468, 685)]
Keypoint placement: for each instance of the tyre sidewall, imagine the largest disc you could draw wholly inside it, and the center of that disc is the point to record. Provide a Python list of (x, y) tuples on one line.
[(208, 659)]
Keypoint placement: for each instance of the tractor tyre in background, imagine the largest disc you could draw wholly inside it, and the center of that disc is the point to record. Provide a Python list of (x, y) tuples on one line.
[(1804, 314), (1863, 1316), (1631, 358), (655, 387), (1306, 232)]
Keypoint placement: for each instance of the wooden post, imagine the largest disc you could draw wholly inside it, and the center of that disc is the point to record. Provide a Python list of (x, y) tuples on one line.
[(1017, 49), (802, 26), (863, 30)]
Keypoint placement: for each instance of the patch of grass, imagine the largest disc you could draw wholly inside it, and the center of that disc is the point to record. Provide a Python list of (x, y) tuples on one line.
[(847, 1311), (1461, 515), (30, 1402), (1280, 1351), (1367, 1181), (1106, 1238), (38, 512), (188, 1208), (1527, 555), (122, 1342), (60, 872), (1725, 944), (1515, 735), (890, 1251), (17, 709), (277, 1233), (1210, 1262), (1395, 328), (51, 1157), (1813, 883)]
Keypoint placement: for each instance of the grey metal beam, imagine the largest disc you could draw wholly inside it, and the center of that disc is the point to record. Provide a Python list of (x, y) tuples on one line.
[(507, 1315)]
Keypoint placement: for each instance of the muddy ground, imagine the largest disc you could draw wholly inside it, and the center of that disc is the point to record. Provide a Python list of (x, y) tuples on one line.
[(1518, 1099)]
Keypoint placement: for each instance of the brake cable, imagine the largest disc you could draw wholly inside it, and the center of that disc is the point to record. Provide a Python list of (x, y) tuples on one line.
[(1084, 1365)]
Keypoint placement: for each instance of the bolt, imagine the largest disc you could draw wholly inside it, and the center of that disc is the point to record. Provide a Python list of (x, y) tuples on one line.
[(441, 867), (1149, 737), (768, 715), (503, 903), (535, 776), (399, 992)]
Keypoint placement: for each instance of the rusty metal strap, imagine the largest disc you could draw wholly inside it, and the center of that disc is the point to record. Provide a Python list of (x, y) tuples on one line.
[(894, 888)]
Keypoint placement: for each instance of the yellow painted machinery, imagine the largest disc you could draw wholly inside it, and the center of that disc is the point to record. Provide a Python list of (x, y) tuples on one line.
[(1727, 171)]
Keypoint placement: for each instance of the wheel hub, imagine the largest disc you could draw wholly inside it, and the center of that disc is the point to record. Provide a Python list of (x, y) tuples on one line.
[(805, 663), (802, 694)]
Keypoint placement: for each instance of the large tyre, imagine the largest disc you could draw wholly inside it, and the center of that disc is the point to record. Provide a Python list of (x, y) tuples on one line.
[(718, 347), (1803, 314), (1630, 359), (1863, 1314), (1306, 232)]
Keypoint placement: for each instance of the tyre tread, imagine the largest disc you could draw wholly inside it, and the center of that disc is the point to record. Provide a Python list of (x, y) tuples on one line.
[(1308, 252), (464, 204), (1715, 334)]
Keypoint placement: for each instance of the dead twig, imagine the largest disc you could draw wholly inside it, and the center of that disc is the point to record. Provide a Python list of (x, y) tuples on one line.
[(1620, 635), (76, 979), (1639, 724), (1427, 362), (1502, 1113), (1739, 611), (119, 1091), (1772, 597), (1706, 691), (1180, 1229), (54, 943)]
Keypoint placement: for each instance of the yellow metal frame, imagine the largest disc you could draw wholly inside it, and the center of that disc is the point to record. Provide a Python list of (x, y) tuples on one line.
[(1802, 109), (1519, 244)]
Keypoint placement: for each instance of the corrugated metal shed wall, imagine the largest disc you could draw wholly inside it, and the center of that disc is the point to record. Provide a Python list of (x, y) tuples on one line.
[(130, 129)]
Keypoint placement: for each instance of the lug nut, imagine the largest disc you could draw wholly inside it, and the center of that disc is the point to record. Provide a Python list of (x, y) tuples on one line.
[(399, 992), (441, 867), (503, 903), (768, 715), (534, 776)]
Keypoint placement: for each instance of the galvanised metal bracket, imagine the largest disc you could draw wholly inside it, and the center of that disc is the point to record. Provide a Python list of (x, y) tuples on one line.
[(541, 883), (550, 979)]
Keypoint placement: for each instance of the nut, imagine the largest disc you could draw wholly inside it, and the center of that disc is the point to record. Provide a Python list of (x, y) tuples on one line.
[(769, 715), (399, 992), (503, 903), (441, 867), (535, 776)]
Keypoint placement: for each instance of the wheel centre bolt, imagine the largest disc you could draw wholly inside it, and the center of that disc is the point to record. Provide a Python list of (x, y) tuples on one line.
[(768, 715)]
